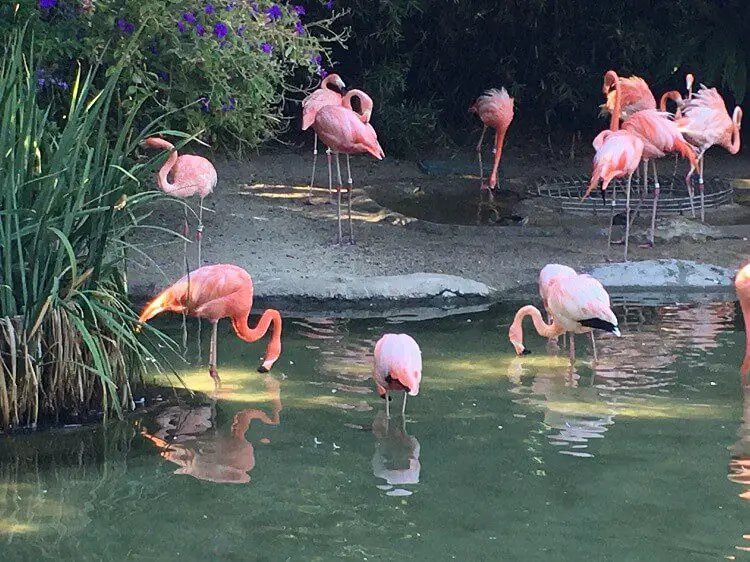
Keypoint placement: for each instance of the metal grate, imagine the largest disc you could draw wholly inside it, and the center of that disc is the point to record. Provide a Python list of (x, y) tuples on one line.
[(673, 198)]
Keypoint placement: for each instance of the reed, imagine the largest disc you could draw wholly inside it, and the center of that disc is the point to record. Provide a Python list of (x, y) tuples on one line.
[(69, 196)]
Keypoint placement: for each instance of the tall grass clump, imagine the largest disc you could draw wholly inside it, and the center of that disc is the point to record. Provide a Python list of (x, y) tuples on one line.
[(69, 195)]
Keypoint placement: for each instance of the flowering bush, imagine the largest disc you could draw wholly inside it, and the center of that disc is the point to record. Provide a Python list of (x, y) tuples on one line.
[(225, 66)]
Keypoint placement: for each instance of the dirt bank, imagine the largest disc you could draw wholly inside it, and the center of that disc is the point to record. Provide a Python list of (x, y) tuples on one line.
[(258, 221)]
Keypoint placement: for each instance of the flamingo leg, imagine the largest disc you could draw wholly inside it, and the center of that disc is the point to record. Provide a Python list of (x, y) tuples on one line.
[(627, 215), (199, 234), (212, 354), (645, 177), (312, 179), (338, 201), (657, 189), (611, 217), (593, 345), (403, 406), (689, 182), (349, 202), (387, 407), (701, 187), (479, 156), (572, 349), (187, 272), (330, 177)]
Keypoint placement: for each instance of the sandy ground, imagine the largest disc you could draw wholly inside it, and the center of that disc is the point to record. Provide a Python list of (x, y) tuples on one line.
[(257, 220)]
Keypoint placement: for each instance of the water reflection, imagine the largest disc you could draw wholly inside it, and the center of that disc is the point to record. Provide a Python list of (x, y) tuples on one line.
[(188, 437), (739, 463), (396, 458)]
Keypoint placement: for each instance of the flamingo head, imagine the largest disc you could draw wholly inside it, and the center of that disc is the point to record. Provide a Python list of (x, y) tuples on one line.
[(737, 117), (689, 79), (339, 83), (515, 335)]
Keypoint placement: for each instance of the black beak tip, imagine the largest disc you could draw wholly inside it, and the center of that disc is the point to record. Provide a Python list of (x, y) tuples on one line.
[(526, 352), (263, 369)]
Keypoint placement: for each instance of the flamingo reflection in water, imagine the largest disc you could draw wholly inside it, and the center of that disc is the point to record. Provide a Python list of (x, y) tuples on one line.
[(739, 463), (396, 458), (188, 438)]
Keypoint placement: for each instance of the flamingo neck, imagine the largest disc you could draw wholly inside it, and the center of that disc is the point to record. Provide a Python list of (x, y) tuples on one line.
[(244, 332), (745, 305), (674, 95), (163, 174), (543, 329), (365, 103), (734, 148), (612, 77)]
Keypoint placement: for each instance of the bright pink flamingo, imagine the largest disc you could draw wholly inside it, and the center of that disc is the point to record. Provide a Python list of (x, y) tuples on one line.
[(546, 275), (397, 367), (636, 95), (215, 292), (742, 286), (191, 175), (344, 131), (618, 154), (578, 305), (705, 122), (495, 109), (321, 97)]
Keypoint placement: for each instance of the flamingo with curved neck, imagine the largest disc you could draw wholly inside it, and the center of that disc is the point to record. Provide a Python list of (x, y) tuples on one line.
[(515, 333), (742, 287), (365, 104)]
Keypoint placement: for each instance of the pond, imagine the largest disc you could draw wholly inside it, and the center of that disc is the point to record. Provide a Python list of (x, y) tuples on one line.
[(643, 456)]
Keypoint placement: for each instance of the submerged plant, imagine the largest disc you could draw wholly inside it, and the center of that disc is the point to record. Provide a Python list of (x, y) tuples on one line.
[(69, 196)]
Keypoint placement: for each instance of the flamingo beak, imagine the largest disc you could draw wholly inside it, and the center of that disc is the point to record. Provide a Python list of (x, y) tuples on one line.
[(616, 331)]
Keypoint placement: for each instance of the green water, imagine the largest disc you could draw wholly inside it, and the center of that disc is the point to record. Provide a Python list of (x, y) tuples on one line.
[(503, 458)]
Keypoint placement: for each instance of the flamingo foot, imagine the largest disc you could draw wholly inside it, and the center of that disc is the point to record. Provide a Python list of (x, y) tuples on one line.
[(214, 374), (646, 245)]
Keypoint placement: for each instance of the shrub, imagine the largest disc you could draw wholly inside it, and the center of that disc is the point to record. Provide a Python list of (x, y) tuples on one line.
[(229, 62), (69, 196)]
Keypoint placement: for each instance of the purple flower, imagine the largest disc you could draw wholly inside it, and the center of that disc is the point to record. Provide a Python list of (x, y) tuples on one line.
[(163, 76), (209, 9), (254, 7), (47, 4), (230, 107), (299, 29), (40, 82), (154, 50), (316, 59), (274, 12), (125, 26), (329, 4), (204, 104), (221, 30), (299, 9), (241, 30), (200, 30), (230, 7), (322, 72), (266, 47), (181, 26), (189, 17)]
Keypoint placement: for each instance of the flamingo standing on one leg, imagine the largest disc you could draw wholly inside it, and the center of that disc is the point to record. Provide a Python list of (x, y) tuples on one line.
[(321, 97), (215, 292), (578, 305), (742, 287), (618, 154), (705, 122), (344, 131), (546, 275), (191, 175), (495, 109), (397, 367)]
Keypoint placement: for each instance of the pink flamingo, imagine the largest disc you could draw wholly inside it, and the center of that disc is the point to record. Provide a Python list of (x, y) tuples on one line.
[(636, 96), (191, 175), (578, 305), (344, 131), (397, 367), (495, 109), (215, 292), (321, 97), (705, 122), (546, 275), (618, 154), (742, 287), (676, 97)]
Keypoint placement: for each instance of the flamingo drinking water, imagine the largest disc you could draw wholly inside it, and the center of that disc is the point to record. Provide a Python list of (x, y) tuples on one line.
[(397, 367)]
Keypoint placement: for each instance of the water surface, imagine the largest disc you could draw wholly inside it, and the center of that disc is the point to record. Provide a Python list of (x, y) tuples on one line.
[(639, 457)]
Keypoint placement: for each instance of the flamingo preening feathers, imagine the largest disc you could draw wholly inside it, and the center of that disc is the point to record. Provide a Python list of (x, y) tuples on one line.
[(215, 292), (397, 367)]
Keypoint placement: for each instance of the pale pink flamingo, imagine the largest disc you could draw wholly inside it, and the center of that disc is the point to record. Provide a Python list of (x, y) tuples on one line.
[(495, 109), (578, 305), (191, 175), (676, 97), (344, 131), (635, 94), (742, 287), (705, 122), (215, 292), (397, 367), (546, 275), (321, 97), (618, 154)]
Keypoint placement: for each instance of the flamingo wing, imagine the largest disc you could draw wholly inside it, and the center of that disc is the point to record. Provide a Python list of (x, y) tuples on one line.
[(581, 301)]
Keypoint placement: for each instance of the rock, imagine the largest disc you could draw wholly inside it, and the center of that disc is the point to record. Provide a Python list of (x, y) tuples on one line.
[(674, 228), (663, 274)]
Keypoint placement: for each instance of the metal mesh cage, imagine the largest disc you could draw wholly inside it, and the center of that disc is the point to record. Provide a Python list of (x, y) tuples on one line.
[(673, 198)]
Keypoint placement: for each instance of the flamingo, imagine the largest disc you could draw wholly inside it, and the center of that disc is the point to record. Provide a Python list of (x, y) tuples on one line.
[(618, 154), (578, 305), (495, 109), (191, 175), (321, 97), (705, 122), (397, 367), (215, 292), (344, 131), (635, 93), (742, 287), (676, 97), (546, 275)]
